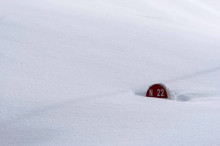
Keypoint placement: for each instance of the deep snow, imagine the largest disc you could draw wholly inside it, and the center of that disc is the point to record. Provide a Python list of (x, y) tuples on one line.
[(74, 72)]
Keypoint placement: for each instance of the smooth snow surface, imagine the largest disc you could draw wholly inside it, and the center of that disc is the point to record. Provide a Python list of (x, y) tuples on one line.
[(74, 72)]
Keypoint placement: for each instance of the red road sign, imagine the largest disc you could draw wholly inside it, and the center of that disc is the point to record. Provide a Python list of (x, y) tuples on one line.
[(158, 91)]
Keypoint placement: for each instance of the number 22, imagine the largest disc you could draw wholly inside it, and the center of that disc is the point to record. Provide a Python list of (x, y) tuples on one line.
[(160, 92)]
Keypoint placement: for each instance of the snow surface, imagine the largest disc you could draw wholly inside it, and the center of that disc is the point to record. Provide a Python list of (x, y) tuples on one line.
[(74, 72)]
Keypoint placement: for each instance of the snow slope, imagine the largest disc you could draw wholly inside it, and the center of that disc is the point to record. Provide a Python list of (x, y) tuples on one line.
[(74, 72)]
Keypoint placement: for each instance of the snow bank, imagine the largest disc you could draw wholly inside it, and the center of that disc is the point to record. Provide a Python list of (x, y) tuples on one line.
[(74, 72)]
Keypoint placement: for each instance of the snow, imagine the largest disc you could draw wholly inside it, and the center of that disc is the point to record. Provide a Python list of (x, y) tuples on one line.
[(75, 72)]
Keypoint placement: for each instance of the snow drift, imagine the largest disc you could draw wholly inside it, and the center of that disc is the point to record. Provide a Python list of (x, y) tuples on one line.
[(74, 72)]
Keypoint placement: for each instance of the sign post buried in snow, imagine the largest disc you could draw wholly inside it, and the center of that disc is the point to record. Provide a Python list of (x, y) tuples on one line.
[(158, 91)]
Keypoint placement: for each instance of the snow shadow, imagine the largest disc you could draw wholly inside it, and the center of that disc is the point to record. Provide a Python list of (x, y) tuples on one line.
[(141, 92), (26, 134), (193, 75), (187, 96), (65, 104)]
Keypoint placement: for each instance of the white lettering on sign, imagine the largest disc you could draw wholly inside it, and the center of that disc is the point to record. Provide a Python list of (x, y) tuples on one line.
[(151, 92), (160, 92)]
